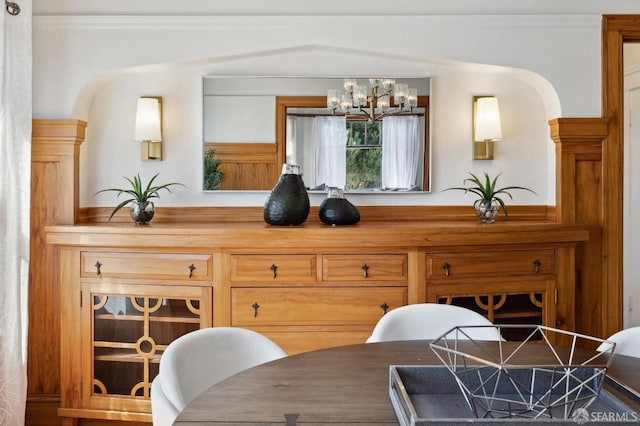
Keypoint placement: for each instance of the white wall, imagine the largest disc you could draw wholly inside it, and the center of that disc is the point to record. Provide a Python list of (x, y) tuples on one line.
[(93, 59)]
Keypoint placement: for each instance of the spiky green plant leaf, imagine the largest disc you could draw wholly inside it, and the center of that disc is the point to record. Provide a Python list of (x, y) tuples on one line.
[(138, 192), (487, 191)]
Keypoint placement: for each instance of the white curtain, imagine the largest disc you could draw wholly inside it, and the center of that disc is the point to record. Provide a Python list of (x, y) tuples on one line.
[(291, 148), (329, 139), (401, 147), (15, 174)]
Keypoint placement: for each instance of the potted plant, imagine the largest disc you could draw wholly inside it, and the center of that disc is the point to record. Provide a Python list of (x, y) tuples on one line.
[(489, 203), (142, 209), (212, 176)]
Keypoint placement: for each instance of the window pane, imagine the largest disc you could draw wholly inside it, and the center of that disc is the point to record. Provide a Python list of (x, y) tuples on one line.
[(364, 155), (363, 168)]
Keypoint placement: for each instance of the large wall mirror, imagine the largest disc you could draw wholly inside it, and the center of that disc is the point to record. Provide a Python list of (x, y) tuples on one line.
[(253, 125)]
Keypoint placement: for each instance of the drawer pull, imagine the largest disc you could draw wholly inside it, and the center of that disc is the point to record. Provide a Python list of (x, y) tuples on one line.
[(446, 269), (384, 307), (98, 265), (365, 269), (255, 307), (274, 268), (537, 264), (192, 268)]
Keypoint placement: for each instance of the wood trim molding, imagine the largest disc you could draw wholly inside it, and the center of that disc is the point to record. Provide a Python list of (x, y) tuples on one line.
[(63, 130), (243, 152), (517, 213), (55, 152), (616, 30), (247, 166), (284, 102), (577, 139), (58, 141), (579, 197)]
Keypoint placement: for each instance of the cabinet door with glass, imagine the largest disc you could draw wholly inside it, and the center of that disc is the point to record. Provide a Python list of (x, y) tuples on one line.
[(515, 303), (127, 327)]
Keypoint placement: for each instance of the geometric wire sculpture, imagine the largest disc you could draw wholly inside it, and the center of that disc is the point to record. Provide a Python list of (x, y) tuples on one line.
[(498, 380)]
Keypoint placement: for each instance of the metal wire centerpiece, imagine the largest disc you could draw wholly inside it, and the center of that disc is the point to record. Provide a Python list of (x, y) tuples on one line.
[(498, 380)]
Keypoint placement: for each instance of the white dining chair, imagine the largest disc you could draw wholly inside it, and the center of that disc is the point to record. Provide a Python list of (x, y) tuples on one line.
[(627, 342), (198, 360), (428, 321)]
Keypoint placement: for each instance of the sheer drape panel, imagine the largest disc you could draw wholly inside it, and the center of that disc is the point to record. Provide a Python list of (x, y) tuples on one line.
[(305, 150), (401, 146), (329, 139), (15, 174), (299, 146), (291, 147)]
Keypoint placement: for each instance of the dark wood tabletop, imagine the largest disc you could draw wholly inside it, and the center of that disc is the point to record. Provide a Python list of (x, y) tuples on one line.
[(343, 385)]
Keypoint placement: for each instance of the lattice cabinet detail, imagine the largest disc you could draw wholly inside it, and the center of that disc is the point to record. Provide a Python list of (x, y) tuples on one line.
[(129, 335), (130, 327), (504, 308)]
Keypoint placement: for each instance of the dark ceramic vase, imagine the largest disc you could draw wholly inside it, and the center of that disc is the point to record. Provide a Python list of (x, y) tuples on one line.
[(288, 203), (337, 210), (142, 212)]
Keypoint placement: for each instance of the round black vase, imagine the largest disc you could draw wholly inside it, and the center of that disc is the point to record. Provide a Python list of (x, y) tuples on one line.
[(288, 203), (337, 210)]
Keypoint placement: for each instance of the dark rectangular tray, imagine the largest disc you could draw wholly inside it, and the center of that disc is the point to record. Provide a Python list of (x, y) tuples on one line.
[(424, 395)]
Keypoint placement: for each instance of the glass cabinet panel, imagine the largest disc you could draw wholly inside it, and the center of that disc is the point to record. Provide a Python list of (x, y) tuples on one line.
[(504, 308), (130, 331)]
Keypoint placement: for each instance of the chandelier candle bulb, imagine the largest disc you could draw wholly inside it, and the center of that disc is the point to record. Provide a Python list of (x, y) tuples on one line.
[(360, 96), (412, 97), (345, 103), (383, 102), (400, 93), (349, 84), (333, 98)]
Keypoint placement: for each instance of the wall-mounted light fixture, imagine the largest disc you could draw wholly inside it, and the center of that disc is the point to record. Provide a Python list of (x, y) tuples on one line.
[(148, 129), (486, 126)]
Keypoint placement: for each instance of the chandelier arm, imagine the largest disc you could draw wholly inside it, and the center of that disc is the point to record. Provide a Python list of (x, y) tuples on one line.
[(383, 94)]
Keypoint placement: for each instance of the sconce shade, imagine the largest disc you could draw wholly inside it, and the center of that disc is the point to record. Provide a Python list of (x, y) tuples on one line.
[(487, 119), (148, 120)]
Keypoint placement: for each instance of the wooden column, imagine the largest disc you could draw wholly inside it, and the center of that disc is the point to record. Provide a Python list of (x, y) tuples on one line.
[(580, 199), (55, 153), (616, 30)]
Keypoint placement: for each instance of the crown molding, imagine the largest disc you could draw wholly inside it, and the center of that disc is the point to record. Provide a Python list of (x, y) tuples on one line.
[(216, 22)]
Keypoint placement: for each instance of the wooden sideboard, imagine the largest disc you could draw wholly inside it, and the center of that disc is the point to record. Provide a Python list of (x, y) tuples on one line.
[(127, 291)]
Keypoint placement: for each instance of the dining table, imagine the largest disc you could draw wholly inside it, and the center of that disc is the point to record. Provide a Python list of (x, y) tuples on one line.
[(345, 385)]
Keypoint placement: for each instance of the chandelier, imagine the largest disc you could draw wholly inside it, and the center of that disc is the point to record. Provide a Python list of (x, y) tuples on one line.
[(372, 102)]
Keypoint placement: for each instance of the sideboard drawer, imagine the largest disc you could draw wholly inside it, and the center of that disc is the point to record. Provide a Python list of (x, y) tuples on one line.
[(326, 306), (490, 263), (362, 267), (271, 267), (174, 266)]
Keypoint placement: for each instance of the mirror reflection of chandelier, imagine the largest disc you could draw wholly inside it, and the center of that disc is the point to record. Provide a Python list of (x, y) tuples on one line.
[(372, 102)]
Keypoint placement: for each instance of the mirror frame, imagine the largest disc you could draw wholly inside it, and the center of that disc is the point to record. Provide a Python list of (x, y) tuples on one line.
[(284, 102)]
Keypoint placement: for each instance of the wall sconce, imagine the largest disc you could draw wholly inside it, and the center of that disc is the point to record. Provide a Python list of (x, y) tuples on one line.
[(486, 126), (148, 129)]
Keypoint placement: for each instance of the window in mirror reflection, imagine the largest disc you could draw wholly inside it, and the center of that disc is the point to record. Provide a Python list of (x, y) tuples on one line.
[(357, 155)]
